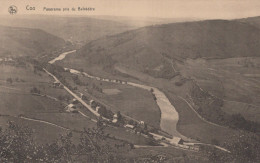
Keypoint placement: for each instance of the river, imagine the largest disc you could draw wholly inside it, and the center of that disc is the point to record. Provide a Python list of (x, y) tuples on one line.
[(61, 56), (169, 115)]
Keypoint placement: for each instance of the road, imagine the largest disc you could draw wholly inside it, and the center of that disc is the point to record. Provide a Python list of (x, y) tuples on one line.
[(75, 96), (203, 119), (41, 121), (167, 109)]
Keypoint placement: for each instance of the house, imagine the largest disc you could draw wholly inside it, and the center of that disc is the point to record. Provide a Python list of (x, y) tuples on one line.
[(129, 126), (97, 108), (56, 84), (71, 108), (115, 118), (141, 122), (114, 121)]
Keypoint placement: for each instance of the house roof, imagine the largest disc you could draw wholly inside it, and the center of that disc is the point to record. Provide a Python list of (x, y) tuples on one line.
[(129, 126), (115, 116), (114, 120), (71, 105)]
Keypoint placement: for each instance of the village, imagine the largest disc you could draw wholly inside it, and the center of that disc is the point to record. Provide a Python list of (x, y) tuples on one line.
[(107, 117)]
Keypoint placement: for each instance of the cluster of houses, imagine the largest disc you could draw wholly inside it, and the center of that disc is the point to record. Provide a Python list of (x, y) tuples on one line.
[(138, 128), (72, 108), (114, 118), (112, 80), (6, 59), (177, 141)]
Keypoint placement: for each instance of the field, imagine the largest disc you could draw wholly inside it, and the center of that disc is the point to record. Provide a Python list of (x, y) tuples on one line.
[(235, 80), (46, 114), (134, 102), (193, 127)]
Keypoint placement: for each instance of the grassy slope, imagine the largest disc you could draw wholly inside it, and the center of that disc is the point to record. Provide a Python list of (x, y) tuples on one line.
[(192, 126), (234, 80), (255, 21), (144, 48), (17, 41), (16, 100)]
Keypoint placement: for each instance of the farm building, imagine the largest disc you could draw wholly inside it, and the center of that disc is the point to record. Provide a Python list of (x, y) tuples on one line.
[(115, 120), (71, 108), (129, 126), (141, 122)]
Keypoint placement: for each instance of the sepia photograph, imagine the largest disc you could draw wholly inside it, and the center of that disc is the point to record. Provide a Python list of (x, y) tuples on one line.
[(130, 81)]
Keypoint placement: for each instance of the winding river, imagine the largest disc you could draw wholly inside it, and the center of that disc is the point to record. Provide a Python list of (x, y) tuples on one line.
[(169, 115), (61, 56)]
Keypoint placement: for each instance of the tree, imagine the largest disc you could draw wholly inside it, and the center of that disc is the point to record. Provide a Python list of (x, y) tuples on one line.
[(102, 111), (119, 117), (17, 145), (35, 90), (131, 122), (245, 147)]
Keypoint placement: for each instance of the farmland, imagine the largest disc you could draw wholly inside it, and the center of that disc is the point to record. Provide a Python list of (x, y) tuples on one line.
[(228, 79), (131, 101), (46, 108)]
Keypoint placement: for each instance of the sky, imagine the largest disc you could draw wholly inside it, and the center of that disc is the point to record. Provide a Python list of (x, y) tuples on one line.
[(202, 9)]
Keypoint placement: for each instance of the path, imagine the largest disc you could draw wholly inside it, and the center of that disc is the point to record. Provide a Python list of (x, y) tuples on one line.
[(41, 121), (203, 119)]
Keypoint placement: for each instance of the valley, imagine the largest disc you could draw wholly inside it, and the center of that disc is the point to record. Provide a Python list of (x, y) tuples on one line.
[(185, 91)]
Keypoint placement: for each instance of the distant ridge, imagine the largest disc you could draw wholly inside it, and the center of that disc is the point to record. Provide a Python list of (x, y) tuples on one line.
[(146, 47), (15, 41)]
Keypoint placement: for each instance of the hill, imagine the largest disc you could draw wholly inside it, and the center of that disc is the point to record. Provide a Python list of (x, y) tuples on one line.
[(74, 28), (27, 42), (147, 47), (82, 29), (218, 56), (254, 21)]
